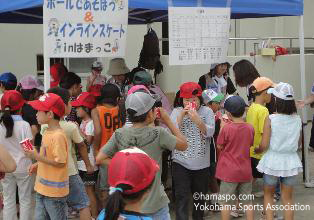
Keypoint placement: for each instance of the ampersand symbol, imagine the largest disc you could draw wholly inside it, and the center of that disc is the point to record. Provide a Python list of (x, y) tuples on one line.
[(88, 17)]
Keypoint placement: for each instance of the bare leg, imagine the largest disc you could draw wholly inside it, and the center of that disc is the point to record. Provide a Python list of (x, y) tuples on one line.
[(268, 201), (287, 194), (225, 213), (249, 213), (90, 190), (103, 198)]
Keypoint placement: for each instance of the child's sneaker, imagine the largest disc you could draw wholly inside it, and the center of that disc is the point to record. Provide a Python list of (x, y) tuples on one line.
[(276, 197), (241, 212), (259, 194), (234, 213)]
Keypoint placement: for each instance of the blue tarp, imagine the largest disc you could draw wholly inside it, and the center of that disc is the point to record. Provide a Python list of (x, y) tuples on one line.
[(30, 11)]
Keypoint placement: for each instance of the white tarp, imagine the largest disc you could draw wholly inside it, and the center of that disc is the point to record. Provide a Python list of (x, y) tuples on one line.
[(198, 35), (85, 28)]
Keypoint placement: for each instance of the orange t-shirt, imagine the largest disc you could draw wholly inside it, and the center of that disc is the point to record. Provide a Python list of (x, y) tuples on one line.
[(109, 122), (53, 181)]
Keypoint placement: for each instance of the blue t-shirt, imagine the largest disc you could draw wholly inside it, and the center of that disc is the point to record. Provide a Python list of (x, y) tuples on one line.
[(126, 215)]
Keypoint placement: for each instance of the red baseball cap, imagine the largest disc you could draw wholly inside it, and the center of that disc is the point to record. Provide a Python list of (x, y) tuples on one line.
[(133, 167), (190, 89), (13, 100), (49, 102), (85, 99)]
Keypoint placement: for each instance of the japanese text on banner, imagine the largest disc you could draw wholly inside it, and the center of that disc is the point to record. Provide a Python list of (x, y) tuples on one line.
[(85, 28)]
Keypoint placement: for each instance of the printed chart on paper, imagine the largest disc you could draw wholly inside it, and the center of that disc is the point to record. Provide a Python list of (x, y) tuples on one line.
[(198, 35)]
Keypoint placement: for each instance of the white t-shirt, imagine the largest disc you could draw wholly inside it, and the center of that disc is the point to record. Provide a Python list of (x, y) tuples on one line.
[(21, 131), (88, 129)]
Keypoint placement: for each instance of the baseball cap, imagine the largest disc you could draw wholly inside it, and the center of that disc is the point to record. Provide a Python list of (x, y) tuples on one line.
[(213, 65), (13, 100), (210, 95), (262, 83), (136, 88), (189, 89), (8, 78), (49, 102), (141, 102), (142, 78), (85, 99), (133, 167), (30, 82), (97, 65), (283, 91), (234, 104)]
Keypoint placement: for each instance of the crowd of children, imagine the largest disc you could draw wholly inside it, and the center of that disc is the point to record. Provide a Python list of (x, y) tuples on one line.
[(100, 154)]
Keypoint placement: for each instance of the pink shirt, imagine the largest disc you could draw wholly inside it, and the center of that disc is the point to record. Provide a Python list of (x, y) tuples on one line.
[(234, 162)]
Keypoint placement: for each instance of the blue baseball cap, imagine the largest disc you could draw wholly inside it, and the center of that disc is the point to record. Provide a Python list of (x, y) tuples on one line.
[(8, 78)]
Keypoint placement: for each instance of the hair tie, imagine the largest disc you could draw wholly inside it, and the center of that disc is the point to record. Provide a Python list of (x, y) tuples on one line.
[(113, 190)]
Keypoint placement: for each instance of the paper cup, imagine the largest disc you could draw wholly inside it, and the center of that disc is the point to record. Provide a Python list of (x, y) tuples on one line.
[(27, 144)]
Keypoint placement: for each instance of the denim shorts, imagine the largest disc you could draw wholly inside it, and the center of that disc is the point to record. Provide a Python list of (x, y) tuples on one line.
[(77, 198), (50, 208), (103, 184), (273, 180)]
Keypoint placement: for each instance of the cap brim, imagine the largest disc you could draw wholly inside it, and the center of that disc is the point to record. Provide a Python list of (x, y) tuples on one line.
[(219, 98), (76, 103), (270, 90), (38, 105)]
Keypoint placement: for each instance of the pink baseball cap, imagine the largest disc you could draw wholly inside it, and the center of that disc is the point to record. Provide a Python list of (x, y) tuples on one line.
[(31, 82), (136, 88), (133, 167)]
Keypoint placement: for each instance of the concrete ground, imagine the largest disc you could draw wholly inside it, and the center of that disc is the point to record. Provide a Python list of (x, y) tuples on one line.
[(302, 196)]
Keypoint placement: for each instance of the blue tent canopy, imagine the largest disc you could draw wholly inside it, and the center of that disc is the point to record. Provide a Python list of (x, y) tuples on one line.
[(145, 11)]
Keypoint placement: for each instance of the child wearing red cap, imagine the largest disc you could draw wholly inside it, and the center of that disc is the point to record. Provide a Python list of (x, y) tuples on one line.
[(131, 176), (191, 167), (13, 130), (52, 182), (84, 104)]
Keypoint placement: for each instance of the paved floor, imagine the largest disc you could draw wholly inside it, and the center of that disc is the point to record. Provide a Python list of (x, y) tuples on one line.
[(303, 196)]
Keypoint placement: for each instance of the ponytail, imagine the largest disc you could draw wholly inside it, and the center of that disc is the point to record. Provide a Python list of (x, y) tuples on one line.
[(7, 121), (115, 204)]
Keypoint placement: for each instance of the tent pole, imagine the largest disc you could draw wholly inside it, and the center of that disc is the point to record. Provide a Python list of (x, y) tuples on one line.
[(303, 93), (46, 72)]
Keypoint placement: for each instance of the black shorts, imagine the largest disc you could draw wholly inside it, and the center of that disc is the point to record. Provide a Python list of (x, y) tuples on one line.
[(88, 179), (255, 173), (212, 170)]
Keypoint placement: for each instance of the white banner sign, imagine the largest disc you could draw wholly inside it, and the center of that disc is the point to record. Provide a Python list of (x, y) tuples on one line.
[(198, 35), (85, 28)]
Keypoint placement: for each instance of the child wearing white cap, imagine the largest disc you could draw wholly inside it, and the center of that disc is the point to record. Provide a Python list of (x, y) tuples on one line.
[(281, 140)]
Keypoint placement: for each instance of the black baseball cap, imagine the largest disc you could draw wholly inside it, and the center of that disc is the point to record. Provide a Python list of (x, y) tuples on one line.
[(235, 105)]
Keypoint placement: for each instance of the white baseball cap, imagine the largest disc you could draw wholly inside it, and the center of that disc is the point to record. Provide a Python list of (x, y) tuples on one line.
[(140, 102), (283, 91)]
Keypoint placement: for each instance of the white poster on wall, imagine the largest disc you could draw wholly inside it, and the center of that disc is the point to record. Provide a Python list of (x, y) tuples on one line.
[(198, 35), (85, 28)]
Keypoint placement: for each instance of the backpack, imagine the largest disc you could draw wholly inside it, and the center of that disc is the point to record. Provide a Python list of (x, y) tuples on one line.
[(150, 56)]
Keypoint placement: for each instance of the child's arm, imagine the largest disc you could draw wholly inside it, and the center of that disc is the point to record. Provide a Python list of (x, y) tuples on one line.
[(82, 149), (7, 163), (33, 154), (181, 143), (90, 82), (97, 131), (220, 147), (107, 151), (265, 137)]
